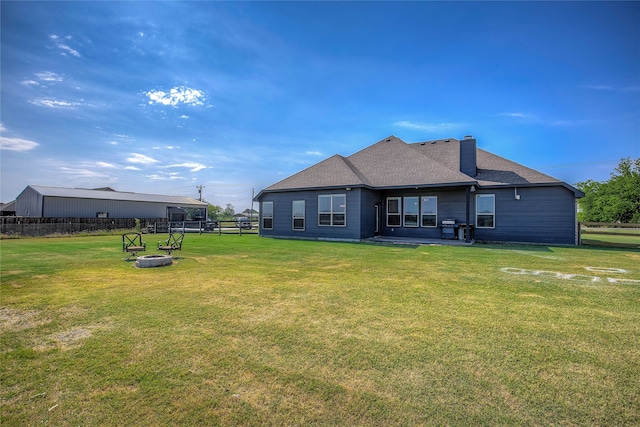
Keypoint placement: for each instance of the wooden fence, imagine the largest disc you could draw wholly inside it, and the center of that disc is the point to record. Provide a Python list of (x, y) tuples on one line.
[(610, 234), (37, 227), (217, 227)]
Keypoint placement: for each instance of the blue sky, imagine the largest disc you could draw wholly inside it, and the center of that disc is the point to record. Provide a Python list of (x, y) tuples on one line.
[(161, 97)]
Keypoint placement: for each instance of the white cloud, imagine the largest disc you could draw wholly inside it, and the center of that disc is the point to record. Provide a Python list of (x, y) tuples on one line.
[(428, 127), (17, 144), (48, 76), (598, 87), (30, 83), (533, 119), (193, 167), (168, 147), (177, 95), (141, 158), (83, 173), (576, 122), (313, 153), (54, 103), (105, 165), (613, 88), (65, 48), (132, 168), (172, 147), (517, 115), (163, 176)]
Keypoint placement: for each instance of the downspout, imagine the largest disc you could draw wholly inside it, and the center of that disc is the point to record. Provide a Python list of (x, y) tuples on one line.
[(468, 228)]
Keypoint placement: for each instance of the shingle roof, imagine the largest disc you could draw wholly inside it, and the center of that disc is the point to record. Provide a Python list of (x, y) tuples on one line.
[(392, 163), (83, 193), (491, 169), (332, 172)]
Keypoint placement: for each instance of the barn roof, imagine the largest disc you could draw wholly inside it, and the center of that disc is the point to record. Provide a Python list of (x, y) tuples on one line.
[(109, 194)]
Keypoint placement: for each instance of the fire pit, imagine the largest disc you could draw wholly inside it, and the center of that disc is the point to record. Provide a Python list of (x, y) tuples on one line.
[(147, 261)]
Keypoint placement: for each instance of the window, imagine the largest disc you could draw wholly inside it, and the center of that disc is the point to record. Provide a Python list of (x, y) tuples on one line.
[(332, 209), (485, 210), (411, 209), (429, 211), (267, 215), (297, 212), (393, 211)]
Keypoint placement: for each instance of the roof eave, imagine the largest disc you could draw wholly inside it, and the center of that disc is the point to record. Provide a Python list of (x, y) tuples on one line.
[(324, 187), (578, 193), (435, 185)]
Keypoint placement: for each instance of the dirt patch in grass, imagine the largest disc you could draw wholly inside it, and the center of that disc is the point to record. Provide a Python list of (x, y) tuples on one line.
[(68, 339), (13, 320)]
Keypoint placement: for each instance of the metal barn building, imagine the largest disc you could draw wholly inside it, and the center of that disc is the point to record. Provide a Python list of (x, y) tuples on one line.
[(51, 202)]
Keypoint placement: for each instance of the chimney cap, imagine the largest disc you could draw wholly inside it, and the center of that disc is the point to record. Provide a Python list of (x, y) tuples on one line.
[(468, 137)]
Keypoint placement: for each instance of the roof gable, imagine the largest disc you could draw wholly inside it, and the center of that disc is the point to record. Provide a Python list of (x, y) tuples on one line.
[(394, 163), (333, 172)]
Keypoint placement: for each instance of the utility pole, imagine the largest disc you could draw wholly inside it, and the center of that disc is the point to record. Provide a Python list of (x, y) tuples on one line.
[(200, 187), (251, 209)]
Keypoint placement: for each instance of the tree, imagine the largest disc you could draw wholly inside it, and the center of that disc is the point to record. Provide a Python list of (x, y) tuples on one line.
[(214, 211), (228, 211), (615, 200)]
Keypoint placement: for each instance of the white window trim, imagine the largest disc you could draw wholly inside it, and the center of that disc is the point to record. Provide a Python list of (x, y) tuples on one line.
[(422, 213), (332, 212), (294, 217), (404, 212), (399, 214), (493, 208), (263, 216)]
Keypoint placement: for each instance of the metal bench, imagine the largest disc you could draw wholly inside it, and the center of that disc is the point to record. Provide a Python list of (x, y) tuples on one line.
[(132, 244), (173, 243)]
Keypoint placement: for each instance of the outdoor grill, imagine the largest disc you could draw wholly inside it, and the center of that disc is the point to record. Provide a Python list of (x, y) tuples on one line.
[(449, 228)]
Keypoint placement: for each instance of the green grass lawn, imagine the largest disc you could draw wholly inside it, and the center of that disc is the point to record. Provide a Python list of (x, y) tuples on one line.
[(613, 236), (243, 330)]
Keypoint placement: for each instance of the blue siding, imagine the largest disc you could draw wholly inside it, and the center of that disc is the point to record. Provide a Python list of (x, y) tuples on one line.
[(369, 199), (451, 205), (283, 223), (541, 215)]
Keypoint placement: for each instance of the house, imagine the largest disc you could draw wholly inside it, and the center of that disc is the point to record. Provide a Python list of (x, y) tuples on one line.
[(445, 188), (8, 209), (51, 202)]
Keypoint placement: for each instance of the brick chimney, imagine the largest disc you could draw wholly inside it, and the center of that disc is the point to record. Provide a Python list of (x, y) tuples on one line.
[(468, 156)]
